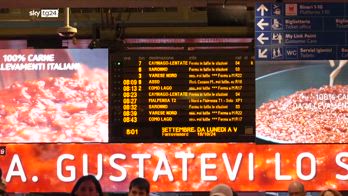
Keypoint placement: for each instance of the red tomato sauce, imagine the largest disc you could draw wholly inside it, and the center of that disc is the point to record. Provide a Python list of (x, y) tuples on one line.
[(56, 109), (308, 116)]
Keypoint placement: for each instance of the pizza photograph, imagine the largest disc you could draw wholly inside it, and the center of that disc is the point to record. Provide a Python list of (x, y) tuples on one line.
[(305, 102), (54, 96)]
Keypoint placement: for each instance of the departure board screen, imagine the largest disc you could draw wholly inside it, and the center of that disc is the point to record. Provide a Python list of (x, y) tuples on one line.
[(181, 97)]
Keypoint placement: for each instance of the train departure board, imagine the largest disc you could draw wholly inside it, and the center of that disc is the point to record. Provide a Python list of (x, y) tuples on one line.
[(182, 97)]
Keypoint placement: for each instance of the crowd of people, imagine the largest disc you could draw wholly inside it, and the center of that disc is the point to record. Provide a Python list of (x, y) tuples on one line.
[(89, 185), (297, 189)]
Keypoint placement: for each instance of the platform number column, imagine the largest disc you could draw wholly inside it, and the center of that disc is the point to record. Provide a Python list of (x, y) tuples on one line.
[(240, 82)]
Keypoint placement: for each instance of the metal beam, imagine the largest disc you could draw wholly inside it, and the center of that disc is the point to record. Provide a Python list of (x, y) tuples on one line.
[(100, 3), (136, 32), (132, 3)]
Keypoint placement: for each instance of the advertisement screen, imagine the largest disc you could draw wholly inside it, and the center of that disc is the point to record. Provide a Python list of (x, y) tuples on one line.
[(301, 82), (253, 112), (53, 95), (174, 167), (296, 103)]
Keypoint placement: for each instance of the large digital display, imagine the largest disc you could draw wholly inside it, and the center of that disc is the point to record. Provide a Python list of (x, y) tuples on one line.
[(301, 83), (182, 96), (182, 113), (53, 95), (175, 167), (295, 102)]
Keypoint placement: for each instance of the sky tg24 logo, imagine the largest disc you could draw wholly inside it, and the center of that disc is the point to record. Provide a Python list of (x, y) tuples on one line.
[(45, 13)]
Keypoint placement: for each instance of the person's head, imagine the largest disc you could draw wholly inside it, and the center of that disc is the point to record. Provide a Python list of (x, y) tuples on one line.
[(296, 189), (330, 192), (221, 190), (2, 184), (139, 187), (87, 186)]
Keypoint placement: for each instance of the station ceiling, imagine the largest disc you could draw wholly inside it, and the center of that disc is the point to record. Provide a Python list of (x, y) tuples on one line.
[(147, 18)]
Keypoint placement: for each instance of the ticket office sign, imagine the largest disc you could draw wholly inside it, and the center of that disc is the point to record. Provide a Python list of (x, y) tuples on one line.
[(301, 31)]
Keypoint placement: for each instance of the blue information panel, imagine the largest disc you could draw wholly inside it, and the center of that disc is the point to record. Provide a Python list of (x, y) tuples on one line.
[(301, 31)]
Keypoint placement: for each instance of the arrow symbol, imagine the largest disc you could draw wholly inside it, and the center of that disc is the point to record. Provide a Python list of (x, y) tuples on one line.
[(263, 53), (261, 38), (263, 9), (261, 24)]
